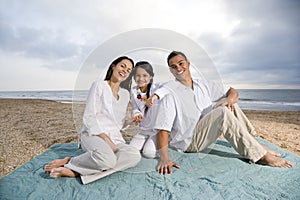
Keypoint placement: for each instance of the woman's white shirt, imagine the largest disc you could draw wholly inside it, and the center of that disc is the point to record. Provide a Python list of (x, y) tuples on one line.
[(104, 113)]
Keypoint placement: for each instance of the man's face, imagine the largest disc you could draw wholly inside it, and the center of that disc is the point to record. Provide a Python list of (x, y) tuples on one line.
[(179, 67)]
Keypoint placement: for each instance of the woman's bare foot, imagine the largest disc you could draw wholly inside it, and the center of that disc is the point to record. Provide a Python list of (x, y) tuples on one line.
[(62, 171), (273, 161), (56, 164), (275, 153)]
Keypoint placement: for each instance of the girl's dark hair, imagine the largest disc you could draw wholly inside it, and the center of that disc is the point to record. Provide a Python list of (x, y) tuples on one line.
[(175, 53), (149, 69), (126, 84)]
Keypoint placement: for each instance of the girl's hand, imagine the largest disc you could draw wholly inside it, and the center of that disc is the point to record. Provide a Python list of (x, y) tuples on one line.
[(150, 100)]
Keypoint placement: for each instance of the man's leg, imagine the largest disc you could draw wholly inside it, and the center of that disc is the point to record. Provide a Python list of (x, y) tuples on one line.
[(242, 118), (222, 121), (207, 131), (246, 145)]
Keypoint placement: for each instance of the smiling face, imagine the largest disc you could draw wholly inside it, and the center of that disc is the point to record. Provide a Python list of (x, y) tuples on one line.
[(179, 67), (142, 78), (122, 70)]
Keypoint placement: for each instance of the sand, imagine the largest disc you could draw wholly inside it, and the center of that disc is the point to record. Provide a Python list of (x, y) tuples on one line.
[(29, 127)]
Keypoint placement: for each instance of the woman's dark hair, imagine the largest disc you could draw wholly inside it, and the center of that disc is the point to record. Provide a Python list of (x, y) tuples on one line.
[(175, 53), (149, 69), (126, 84)]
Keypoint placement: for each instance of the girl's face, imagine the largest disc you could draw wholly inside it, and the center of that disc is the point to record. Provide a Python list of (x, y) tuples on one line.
[(142, 78), (122, 70)]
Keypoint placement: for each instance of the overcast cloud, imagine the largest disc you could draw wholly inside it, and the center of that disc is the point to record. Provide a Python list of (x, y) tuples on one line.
[(253, 44)]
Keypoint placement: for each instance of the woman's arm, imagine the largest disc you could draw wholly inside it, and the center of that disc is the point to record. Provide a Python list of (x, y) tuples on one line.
[(109, 141)]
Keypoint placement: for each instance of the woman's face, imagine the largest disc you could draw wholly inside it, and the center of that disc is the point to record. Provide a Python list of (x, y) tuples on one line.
[(122, 70), (142, 78)]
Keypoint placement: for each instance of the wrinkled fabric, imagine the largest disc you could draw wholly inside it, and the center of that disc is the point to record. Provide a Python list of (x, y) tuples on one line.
[(220, 173)]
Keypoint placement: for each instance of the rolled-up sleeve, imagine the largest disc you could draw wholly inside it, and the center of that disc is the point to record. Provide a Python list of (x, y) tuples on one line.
[(166, 114), (217, 90), (90, 119)]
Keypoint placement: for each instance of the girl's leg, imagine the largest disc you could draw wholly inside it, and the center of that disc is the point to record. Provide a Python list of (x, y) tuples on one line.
[(150, 147), (138, 141)]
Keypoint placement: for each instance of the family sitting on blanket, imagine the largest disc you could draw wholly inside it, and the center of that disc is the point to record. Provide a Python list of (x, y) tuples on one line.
[(178, 114)]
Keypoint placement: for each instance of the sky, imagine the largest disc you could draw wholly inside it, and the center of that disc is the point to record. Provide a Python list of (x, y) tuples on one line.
[(252, 44)]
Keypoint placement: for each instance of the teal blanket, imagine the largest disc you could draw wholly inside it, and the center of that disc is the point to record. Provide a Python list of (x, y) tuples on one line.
[(220, 174)]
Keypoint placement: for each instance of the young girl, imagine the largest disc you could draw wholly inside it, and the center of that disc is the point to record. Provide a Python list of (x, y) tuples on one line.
[(100, 138), (144, 108)]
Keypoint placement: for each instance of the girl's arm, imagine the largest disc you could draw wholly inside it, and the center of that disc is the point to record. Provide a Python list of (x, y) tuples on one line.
[(159, 93)]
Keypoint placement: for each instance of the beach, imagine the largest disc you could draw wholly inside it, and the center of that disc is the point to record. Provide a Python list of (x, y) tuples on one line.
[(28, 127)]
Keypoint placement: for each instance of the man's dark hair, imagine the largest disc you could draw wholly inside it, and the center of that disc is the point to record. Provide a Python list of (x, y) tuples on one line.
[(175, 53)]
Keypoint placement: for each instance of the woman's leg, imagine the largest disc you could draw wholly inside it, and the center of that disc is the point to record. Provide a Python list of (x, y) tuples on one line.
[(98, 156), (127, 156)]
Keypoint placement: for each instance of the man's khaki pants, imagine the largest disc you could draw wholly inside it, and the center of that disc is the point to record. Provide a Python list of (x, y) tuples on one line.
[(236, 129)]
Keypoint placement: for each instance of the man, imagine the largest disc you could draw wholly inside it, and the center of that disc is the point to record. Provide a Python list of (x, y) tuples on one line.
[(187, 116)]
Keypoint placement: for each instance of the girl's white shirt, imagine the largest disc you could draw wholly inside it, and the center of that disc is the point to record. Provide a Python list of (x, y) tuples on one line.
[(104, 113), (139, 106)]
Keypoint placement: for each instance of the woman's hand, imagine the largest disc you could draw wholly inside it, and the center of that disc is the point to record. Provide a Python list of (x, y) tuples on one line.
[(137, 118), (109, 142), (165, 167)]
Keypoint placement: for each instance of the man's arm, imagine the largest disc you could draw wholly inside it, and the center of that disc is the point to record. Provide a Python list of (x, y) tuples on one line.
[(165, 165), (232, 97)]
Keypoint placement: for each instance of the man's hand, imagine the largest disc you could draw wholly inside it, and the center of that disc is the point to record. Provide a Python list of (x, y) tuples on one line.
[(232, 97), (225, 102), (165, 167)]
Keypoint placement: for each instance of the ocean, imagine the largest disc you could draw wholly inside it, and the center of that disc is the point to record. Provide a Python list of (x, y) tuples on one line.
[(249, 99)]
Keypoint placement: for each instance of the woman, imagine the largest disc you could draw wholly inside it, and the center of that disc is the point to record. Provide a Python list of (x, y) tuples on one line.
[(100, 138)]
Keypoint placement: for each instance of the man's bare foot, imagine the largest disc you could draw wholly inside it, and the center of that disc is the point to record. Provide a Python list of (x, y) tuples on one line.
[(56, 164), (275, 153), (62, 171), (273, 161)]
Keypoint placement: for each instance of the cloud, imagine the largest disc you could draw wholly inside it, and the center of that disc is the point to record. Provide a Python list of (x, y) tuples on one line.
[(263, 48), (242, 38)]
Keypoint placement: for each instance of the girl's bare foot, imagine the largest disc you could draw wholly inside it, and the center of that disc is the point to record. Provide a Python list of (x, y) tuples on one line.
[(273, 161), (56, 164), (62, 171)]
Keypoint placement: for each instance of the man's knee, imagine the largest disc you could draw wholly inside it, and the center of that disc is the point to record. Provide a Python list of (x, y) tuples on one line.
[(221, 110)]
